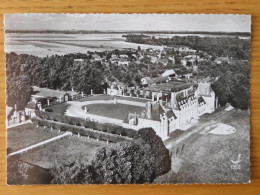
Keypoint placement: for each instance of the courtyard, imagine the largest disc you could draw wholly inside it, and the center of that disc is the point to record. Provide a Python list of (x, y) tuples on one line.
[(118, 111), (101, 108)]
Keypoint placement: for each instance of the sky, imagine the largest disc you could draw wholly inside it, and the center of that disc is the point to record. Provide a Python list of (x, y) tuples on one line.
[(130, 22)]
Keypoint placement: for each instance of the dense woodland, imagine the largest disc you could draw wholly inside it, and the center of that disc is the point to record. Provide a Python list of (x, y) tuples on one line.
[(61, 72), (231, 80), (216, 46)]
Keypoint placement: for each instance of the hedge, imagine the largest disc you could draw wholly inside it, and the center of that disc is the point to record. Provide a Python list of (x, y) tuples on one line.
[(104, 127), (79, 130)]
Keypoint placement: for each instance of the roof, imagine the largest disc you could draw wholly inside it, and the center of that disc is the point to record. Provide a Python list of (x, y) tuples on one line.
[(147, 79), (201, 100), (114, 87), (222, 59), (131, 116), (170, 114), (159, 79), (168, 72), (157, 111), (9, 111), (78, 60), (31, 105), (169, 86), (204, 89), (184, 99)]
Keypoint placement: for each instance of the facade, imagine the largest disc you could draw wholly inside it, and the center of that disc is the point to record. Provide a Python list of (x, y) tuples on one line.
[(114, 89), (169, 109), (179, 111)]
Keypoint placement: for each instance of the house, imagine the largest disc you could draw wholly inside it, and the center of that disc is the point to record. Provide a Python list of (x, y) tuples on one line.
[(153, 59), (78, 60), (115, 89), (168, 73), (186, 104), (96, 58), (221, 60), (123, 62), (123, 56), (146, 81), (114, 57), (171, 60), (163, 61), (30, 109)]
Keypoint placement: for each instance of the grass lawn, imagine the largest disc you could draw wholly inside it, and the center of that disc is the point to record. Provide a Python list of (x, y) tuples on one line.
[(108, 97), (26, 135), (59, 108), (207, 158), (118, 111), (65, 150)]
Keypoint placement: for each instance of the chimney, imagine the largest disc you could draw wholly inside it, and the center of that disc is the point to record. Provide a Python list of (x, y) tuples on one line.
[(173, 100), (149, 110)]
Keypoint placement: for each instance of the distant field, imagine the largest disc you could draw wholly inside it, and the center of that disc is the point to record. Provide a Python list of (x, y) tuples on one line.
[(43, 44), (25, 135), (65, 150), (207, 158)]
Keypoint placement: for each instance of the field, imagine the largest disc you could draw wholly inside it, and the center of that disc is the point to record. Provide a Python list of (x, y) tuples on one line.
[(26, 135), (65, 150), (118, 111), (207, 158), (43, 44)]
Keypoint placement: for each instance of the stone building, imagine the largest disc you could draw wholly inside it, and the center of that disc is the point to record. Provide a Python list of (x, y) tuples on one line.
[(179, 111)]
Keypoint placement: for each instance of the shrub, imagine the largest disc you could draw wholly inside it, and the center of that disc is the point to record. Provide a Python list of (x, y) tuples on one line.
[(104, 127)]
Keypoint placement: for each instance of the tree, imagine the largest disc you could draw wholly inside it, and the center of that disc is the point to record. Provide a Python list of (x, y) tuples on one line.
[(138, 161), (162, 162), (72, 173), (19, 91)]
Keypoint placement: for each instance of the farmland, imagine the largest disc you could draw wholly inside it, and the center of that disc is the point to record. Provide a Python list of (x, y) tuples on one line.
[(43, 44)]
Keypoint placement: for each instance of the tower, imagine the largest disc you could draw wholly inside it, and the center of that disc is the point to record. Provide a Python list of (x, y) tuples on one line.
[(173, 100), (149, 110)]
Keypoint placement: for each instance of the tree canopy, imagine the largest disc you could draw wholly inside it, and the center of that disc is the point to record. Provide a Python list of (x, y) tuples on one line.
[(138, 161)]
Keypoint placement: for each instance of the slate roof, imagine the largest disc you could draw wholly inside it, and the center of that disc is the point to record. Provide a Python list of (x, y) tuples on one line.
[(201, 100), (204, 89), (158, 110)]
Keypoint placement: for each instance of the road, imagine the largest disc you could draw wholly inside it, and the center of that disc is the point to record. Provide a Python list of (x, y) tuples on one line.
[(40, 144)]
